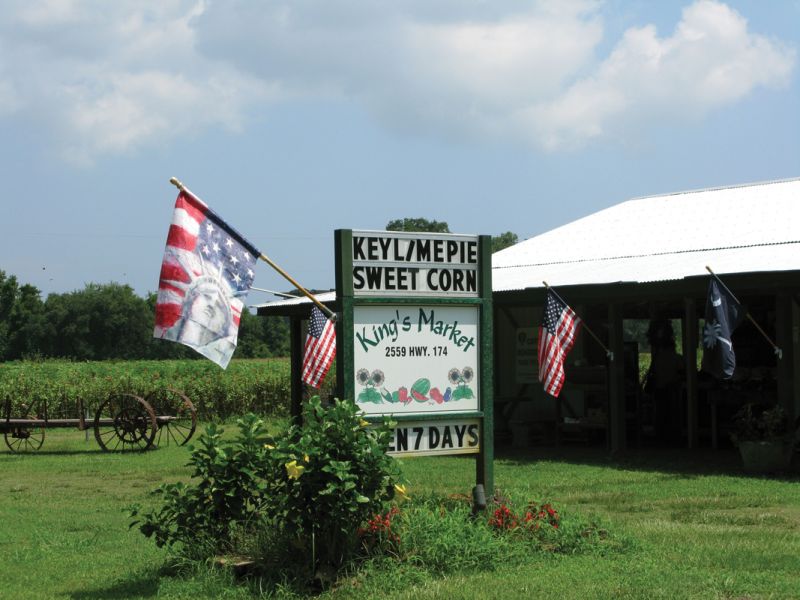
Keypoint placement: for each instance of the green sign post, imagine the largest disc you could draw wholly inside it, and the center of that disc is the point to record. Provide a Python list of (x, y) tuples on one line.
[(414, 340)]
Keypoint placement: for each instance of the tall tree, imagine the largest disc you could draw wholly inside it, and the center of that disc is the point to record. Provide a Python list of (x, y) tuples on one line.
[(418, 224), (27, 324), (101, 321), (23, 326), (504, 240), (8, 295)]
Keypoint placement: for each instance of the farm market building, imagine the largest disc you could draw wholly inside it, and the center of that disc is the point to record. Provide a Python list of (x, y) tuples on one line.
[(646, 259), (637, 262)]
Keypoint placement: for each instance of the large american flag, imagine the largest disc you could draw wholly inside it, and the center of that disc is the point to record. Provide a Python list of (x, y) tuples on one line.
[(207, 270), (320, 348), (557, 334)]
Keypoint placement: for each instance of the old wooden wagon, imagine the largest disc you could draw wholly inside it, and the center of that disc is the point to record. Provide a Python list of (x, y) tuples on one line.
[(122, 422)]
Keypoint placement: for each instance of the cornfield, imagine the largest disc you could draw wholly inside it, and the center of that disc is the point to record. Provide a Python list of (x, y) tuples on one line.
[(261, 386)]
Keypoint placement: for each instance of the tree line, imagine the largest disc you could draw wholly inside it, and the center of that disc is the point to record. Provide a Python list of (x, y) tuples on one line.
[(107, 321)]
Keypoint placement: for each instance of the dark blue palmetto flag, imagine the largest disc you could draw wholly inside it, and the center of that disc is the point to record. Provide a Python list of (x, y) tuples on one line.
[(723, 315)]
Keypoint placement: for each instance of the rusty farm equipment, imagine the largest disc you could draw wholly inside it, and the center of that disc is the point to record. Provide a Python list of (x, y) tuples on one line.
[(122, 422)]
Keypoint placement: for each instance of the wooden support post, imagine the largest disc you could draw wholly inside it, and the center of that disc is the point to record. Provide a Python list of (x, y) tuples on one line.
[(484, 465), (296, 344), (795, 357), (345, 384), (690, 361), (616, 380), (784, 328)]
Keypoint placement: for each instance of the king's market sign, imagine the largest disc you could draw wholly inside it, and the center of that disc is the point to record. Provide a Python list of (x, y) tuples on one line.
[(414, 339), (416, 359)]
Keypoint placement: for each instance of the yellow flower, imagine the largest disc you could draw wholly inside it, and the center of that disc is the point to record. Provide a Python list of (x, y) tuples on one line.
[(400, 489), (305, 458), (269, 446), (364, 423), (294, 470)]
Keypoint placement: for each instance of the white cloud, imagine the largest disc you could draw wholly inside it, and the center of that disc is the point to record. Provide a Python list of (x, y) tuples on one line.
[(710, 60), (110, 78), (136, 109), (107, 78), (456, 67)]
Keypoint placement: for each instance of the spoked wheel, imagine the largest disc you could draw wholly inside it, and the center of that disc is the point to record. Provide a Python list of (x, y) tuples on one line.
[(124, 422), (175, 415), (22, 438)]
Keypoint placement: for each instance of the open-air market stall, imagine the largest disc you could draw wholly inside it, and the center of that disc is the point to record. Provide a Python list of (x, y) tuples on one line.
[(642, 264)]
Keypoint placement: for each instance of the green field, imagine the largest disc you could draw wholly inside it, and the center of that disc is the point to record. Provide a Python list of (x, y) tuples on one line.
[(257, 385), (699, 529)]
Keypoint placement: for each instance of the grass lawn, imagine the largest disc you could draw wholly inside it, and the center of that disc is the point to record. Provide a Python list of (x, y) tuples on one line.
[(699, 528)]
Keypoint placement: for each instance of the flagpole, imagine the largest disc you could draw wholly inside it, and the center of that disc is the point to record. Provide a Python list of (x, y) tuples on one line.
[(775, 347), (609, 353), (331, 315), (285, 295)]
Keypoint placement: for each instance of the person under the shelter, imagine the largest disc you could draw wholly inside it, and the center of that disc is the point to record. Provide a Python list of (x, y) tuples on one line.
[(664, 379)]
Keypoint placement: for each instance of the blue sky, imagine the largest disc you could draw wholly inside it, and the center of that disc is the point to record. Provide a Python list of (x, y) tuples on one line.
[(292, 119)]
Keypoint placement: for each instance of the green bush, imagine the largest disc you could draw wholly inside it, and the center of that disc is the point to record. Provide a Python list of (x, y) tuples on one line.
[(314, 485), (326, 477), (443, 538), (228, 492)]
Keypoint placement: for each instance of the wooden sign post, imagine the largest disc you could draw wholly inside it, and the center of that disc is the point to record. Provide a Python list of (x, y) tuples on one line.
[(414, 341)]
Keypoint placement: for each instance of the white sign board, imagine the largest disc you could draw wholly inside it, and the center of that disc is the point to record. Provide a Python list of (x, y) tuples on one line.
[(526, 359), (436, 437), (411, 359), (397, 264)]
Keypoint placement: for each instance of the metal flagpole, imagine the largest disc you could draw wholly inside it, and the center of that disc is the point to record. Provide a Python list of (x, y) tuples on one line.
[(331, 315), (775, 347), (609, 353)]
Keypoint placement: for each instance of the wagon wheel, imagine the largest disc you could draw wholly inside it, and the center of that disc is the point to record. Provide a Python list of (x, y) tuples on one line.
[(124, 422), (22, 438), (175, 415)]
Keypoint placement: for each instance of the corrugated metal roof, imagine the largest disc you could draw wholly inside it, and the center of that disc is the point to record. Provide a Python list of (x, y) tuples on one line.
[(324, 297), (734, 230)]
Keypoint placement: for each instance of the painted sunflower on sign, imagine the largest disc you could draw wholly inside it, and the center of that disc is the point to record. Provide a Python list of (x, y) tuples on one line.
[(372, 383), (460, 379)]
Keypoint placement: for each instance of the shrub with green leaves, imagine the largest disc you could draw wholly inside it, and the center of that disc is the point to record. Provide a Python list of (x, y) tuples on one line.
[(227, 493), (327, 476), (315, 484)]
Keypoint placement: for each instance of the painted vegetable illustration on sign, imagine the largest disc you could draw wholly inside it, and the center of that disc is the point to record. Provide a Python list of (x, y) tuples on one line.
[(420, 391)]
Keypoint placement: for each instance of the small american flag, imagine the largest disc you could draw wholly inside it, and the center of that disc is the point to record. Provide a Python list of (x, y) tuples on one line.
[(320, 348), (206, 273), (557, 334)]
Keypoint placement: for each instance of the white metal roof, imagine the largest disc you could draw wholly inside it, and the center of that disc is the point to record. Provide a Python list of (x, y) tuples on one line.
[(324, 297), (733, 230)]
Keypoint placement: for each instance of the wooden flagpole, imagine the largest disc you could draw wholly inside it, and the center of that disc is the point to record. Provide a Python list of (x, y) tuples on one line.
[(273, 292), (775, 347), (331, 315), (609, 353)]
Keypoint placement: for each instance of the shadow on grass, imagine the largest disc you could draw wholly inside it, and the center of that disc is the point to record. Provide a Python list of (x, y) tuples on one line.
[(95, 451), (142, 585), (680, 462)]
